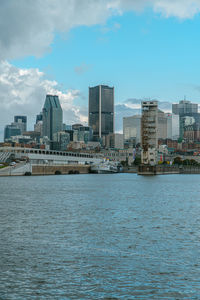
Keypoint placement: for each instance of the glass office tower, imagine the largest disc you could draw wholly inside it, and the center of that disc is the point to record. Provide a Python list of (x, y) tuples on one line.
[(21, 123), (11, 130), (52, 116), (186, 109), (101, 110)]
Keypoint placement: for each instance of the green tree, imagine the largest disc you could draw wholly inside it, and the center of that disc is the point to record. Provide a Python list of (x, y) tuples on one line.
[(186, 162), (137, 161), (177, 161)]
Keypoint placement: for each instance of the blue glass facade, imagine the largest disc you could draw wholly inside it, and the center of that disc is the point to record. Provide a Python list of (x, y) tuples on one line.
[(52, 116)]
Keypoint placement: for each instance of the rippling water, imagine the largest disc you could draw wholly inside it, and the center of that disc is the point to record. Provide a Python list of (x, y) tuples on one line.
[(117, 236)]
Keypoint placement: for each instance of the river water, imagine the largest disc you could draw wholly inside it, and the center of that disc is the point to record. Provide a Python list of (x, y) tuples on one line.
[(117, 236)]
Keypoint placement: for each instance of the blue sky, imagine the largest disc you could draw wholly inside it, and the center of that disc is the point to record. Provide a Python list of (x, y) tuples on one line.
[(142, 55), (145, 49)]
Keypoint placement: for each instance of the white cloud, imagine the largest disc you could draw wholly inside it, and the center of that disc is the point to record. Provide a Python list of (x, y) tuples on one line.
[(183, 9), (23, 91), (28, 27)]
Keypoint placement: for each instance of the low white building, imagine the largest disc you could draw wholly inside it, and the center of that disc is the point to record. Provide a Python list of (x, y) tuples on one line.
[(50, 157), (149, 157)]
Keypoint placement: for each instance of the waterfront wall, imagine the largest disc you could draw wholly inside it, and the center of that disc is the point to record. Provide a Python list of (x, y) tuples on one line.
[(158, 170), (28, 169), (18, 170), (65, 169), (130, 169), (164, 170)]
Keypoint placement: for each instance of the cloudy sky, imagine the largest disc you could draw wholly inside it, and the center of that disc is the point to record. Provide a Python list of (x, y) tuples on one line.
[(144, 48)]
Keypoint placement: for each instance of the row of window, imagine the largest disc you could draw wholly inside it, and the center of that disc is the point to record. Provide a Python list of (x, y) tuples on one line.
[(51, 153)]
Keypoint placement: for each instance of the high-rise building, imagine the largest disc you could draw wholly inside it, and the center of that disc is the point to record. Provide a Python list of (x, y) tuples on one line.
[(172, 126), (162, 125), (184, 107), (85, 134), (185, 110), (11, 130), (132, 129), (39, 118), (149, 132), (114, 140), (39, 124), (21, 123), (101, 110), (61, 141), (52, 116)]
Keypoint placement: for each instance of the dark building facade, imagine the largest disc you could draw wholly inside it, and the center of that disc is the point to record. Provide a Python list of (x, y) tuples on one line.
[(101, 110), (39, 118), (11, 130), (52, 116)]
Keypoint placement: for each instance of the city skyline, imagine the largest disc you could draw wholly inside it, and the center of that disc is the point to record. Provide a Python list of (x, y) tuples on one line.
[(133, 109), (143, 51)]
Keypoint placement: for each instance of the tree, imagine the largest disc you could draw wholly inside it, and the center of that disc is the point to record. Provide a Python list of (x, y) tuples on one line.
[(193, 162), (177, 161), (137, 161), (186, 162)]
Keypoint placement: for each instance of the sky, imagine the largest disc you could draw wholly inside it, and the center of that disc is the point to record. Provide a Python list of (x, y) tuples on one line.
[(146, 49)]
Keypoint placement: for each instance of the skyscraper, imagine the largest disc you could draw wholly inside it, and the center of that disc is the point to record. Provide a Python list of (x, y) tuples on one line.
[(132, 129), (21, 123), (185, 109), (101, 110), (52, 116), (11, 130)]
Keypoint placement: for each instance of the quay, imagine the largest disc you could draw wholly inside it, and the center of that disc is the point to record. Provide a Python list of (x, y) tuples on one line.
[(148, 170), (45, 162), (28, 169)]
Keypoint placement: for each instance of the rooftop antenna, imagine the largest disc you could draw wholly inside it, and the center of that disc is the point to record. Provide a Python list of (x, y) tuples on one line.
[(184, 98)]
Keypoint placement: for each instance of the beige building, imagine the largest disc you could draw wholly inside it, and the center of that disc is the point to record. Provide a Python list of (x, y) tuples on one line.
[(114, 140), (162, 125), (132, 128)]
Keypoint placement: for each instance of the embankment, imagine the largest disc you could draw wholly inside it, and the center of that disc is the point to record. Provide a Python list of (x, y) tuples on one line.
[(60, 170)]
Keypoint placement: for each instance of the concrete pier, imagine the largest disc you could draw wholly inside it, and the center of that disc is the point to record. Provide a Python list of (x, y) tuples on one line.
[(60, 170), (158, 170), (165, 169), (28, 169)]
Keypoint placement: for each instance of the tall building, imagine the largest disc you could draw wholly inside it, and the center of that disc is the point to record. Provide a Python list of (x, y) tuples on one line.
[(21, 123), (61, 140), (52, 116), (39, 124), (101, 110), (184, 107), (114, 140), (11, 130), (85, 134), (132, 129), (149, 132), (186, 110), (162, 125), (172, 126), (39, 118)]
